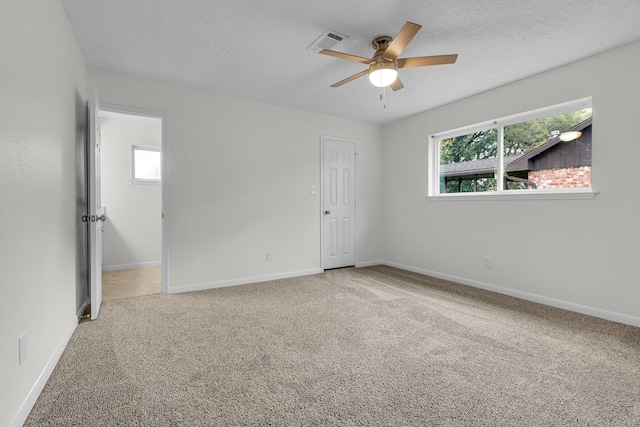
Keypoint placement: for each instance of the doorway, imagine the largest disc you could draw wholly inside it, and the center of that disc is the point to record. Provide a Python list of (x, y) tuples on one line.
[(338, 202), (131, 193)]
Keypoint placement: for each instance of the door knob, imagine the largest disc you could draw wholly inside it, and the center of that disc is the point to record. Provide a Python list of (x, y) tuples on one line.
[(327, 212)]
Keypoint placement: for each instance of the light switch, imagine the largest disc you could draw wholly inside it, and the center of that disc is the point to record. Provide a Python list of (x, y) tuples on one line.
[(314, 189)]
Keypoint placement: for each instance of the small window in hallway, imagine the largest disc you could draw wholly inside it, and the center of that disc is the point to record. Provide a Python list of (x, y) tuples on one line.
[(145, 164)]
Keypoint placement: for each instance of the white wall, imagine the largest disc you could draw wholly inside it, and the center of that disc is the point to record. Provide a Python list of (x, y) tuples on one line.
[(42, 127), (239, 177), (576, 251), (132, 232)]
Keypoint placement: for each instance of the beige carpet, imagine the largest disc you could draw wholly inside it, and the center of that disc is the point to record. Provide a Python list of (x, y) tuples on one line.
[(370, 346)]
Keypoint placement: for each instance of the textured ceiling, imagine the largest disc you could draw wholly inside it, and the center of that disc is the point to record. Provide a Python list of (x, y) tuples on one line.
[(259, 49)]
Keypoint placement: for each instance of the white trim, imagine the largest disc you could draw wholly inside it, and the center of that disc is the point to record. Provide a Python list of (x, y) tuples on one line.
[(321, 186), (165, 205), (433, 159), (145, 182), (115, 267), (165, 179), (125, 109), (464, 130), (242, 281), (564, 194), (501, 166), (370, 263), (26, 407), (552, 302)]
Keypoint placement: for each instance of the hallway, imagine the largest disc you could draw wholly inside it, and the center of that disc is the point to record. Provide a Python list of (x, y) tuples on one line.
[(131, 283)]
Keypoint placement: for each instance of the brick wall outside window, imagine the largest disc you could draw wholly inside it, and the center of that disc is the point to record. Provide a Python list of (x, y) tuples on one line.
[(577, 177)]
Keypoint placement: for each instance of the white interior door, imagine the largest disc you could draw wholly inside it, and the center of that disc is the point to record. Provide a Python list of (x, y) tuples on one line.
[(339, 203), (96, 211)]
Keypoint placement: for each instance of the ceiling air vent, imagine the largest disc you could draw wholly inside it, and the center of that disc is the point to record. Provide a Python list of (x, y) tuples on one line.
[(327, 40)]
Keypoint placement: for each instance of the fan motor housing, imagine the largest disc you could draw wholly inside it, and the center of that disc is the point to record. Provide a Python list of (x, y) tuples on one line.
[(381, 43)]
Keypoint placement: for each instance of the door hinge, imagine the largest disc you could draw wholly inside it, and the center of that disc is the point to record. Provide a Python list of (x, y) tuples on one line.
[(94, 218)]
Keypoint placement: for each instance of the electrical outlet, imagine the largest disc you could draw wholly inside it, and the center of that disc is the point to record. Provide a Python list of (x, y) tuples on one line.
[(487, 262), (22, 348), (269, 256)]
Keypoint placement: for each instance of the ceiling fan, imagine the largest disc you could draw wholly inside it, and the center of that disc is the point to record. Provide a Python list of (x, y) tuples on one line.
[(384, 65)]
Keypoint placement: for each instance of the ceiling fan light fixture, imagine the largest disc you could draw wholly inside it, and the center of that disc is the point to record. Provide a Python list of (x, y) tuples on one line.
[(384, 65), (382, 74)]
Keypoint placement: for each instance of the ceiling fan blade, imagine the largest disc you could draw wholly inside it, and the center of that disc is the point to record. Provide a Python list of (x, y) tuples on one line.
[(348, 79), (422, 61), (397, 84), (346, 56), (406, 34)]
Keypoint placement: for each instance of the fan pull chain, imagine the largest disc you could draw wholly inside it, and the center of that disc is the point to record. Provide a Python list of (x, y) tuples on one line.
[(383, 97)]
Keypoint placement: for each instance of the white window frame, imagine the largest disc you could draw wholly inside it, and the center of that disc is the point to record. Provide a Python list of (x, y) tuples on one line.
[(433, 181), (135, 180)]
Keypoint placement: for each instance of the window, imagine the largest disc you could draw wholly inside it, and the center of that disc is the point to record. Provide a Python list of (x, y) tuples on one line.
[(543, 152), (145, 164)]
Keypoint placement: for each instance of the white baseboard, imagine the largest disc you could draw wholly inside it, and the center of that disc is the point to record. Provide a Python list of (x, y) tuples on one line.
[(115, 267), (369, 263), (565, 305), (241, 281), (35, 391)]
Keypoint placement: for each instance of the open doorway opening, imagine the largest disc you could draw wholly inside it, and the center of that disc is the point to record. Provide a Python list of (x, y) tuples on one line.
[(131, 191)]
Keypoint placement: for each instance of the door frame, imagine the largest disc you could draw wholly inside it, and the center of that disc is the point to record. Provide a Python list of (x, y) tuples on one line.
[(323, 138), (164, 184)]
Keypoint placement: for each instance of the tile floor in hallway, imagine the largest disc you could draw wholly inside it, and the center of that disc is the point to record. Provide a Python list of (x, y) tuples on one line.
[(131, 283)]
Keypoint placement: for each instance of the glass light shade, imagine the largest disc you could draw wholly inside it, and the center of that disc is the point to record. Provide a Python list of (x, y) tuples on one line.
[(382, 74), (570, 136)]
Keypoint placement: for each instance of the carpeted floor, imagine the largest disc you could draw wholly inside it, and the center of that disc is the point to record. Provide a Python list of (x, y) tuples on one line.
[(369, 346)]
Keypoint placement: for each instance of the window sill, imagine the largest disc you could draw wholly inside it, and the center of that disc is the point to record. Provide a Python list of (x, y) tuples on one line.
[(145, 181), (578, 194)]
